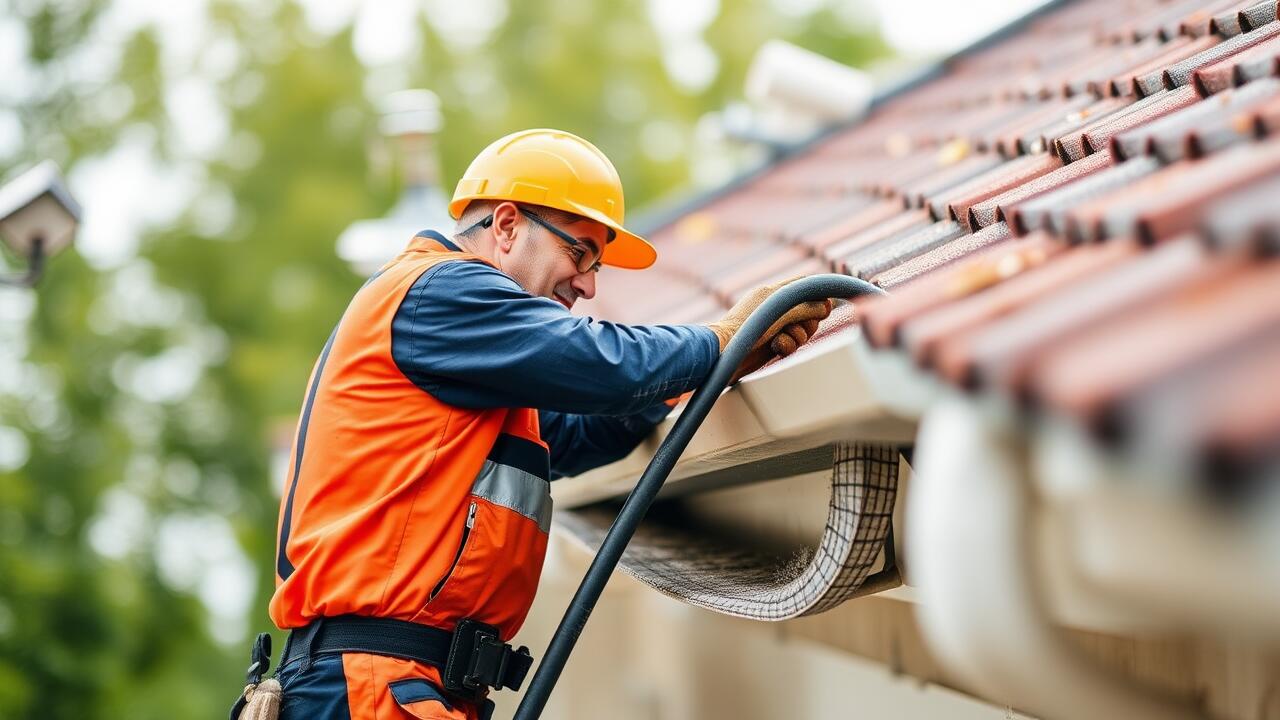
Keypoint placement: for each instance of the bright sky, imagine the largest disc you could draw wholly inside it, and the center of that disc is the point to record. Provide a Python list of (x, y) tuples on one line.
[(932, 27), (923, 27)]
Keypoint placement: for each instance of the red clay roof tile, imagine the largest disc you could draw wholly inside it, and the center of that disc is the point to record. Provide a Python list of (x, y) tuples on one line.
[(990, 210), (943, 256), (1003, 352), (1187, 325), (924, 335)]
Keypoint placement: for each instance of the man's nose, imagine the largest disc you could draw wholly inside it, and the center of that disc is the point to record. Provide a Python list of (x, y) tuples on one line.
[(584, 284)]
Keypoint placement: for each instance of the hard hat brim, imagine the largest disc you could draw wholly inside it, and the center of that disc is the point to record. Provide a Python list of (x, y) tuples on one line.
[(627, 250)]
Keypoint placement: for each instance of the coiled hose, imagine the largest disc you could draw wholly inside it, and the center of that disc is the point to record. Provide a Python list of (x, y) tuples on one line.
[(817, 287)]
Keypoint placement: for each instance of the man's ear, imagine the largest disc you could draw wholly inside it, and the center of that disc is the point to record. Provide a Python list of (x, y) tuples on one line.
[(506, 220)]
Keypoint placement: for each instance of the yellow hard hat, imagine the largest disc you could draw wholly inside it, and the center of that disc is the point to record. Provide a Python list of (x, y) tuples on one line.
[(560, 170)]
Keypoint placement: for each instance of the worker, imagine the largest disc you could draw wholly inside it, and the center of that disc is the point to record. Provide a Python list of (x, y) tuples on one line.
[(456, 385)]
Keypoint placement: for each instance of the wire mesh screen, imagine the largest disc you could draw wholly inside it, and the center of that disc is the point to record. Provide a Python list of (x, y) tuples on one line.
[(719, 575)]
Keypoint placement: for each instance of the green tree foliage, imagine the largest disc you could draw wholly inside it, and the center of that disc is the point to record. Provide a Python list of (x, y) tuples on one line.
[(154, 391)]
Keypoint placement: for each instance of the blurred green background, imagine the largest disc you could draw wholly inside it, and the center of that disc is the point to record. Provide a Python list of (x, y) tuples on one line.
[(148, 385)]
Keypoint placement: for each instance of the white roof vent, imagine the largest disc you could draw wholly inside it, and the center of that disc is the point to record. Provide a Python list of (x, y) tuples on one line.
[(797, 92)]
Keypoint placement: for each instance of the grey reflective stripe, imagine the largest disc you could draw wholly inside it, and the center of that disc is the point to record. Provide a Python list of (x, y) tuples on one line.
[(517, 490)]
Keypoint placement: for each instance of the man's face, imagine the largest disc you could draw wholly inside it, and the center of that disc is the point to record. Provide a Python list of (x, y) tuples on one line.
[(546, 265)]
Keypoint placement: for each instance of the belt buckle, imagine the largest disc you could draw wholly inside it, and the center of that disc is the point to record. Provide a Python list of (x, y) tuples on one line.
[(479, 660), (488, 663), (472, 639)]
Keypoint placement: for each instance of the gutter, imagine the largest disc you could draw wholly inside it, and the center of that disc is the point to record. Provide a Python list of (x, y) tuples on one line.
[(780, 421)]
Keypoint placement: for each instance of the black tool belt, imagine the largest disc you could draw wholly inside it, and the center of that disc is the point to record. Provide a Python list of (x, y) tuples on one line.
[(471, 659)]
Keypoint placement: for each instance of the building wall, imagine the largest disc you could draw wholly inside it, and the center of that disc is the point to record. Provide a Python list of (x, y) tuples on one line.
[(644, 656)]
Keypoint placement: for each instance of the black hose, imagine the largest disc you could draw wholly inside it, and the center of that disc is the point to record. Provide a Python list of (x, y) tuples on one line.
[(817, 287)]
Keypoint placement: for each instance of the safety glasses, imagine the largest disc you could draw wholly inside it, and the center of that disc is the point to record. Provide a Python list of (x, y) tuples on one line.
[(586, 257)]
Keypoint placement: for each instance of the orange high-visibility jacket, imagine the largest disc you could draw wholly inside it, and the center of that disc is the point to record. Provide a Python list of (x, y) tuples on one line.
[(378, 538)]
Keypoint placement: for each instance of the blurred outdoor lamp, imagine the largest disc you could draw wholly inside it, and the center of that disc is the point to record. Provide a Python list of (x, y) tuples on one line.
[(411, 122), (38, 219)]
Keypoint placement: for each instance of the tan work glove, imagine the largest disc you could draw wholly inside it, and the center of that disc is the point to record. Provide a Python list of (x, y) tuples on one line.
[(790, 331)]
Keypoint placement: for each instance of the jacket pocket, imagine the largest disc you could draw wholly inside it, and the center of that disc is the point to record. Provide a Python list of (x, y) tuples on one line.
[(457, 557), (418, 698), (496, 575)]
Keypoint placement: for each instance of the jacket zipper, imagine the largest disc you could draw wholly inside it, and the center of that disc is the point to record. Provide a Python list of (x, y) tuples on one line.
[(466, 532)]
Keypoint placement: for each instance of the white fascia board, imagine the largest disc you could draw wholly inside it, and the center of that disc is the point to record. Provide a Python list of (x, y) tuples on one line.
[(833, 389)]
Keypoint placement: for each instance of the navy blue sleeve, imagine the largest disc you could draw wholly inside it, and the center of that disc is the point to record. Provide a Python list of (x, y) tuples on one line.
[(469, 335), (581, 442)]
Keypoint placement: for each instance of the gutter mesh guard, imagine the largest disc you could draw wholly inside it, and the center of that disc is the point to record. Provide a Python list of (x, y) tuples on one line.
[(720, 576)]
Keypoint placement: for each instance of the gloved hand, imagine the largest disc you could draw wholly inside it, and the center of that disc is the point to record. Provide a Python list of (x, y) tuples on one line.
[(790, 331)]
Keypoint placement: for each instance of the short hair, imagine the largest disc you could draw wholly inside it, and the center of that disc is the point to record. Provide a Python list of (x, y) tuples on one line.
[(469, 222)]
